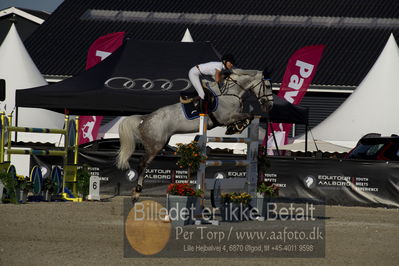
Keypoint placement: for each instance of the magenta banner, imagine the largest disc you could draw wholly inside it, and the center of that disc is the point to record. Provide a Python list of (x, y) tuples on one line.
[(103, 47), (98, 51), (88, 128), (301, 69)]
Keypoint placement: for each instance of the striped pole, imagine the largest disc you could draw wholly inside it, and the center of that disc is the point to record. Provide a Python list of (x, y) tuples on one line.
[(230, 140), (227, 162), (37, 152), (36, 130)]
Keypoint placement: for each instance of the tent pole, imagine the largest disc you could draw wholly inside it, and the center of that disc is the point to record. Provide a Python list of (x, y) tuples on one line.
[(16, 124), (274, 138), (306, 138)]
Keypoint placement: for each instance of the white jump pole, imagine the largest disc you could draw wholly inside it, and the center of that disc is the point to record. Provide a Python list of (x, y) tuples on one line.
[(202, 144)]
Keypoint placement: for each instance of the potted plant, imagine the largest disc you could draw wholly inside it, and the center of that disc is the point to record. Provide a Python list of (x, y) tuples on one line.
[(266, 191), (22, 188), (3, 175), (48, 189), (83, 181), (9, 183), (234, 206), (182, 203), (190, 157), (1, 191)]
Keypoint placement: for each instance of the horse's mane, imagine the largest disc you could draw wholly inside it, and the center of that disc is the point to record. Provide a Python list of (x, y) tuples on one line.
[(250, 72), (256, 75)]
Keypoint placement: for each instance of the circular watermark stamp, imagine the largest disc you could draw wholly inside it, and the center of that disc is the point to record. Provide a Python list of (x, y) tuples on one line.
[(147, 227)]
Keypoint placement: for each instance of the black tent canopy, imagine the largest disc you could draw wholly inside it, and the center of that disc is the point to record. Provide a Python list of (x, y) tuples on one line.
[(285, 112), (138, 78)]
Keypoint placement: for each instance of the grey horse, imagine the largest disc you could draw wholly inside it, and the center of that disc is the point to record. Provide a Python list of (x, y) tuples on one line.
[(155, 129)]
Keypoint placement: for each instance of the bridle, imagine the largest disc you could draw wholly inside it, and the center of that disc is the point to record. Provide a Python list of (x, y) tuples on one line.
[(262, 96)]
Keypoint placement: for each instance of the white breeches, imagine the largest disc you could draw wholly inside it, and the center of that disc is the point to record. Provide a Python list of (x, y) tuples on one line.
[(194, 76)]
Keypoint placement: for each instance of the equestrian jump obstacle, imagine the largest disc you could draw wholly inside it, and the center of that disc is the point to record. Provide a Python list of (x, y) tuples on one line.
[(70, 134), (251, 161)]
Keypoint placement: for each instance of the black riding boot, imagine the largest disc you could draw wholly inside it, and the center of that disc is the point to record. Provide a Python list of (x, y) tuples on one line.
[(203, 106)]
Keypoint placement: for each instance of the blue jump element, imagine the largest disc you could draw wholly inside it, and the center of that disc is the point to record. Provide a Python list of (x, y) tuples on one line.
[(70, 194)]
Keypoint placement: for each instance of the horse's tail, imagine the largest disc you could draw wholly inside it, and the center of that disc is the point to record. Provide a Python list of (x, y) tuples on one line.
[(128, 132)]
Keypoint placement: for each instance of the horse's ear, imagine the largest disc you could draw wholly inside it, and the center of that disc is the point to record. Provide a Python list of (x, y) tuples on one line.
[(267, 74)]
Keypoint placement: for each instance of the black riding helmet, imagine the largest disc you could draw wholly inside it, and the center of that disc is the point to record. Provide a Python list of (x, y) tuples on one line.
[(228, 58)]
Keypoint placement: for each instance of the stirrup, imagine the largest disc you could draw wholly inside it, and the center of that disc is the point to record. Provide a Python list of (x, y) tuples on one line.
[(186, 99)]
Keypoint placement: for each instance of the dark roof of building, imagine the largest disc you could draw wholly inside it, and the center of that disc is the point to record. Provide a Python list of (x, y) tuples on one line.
[(37, 13), (261, 33), (26, 21), (327, 8)]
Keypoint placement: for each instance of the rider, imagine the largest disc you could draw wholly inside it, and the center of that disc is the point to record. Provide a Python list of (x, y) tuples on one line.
[(214, 69)]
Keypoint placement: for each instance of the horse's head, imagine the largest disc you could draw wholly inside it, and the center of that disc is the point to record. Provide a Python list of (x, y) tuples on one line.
[(252, 80), (262, 90)]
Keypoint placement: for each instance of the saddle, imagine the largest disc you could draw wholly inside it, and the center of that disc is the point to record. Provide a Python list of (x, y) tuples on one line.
[(193, 105)]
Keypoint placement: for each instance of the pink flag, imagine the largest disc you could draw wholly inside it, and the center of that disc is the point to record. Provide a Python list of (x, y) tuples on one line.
[(88, 127), (300, 71), (103, 47), (98, 51)]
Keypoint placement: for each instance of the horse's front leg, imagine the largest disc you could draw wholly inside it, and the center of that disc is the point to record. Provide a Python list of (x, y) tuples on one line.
[(239, 117), (240, 122), (144, 163)]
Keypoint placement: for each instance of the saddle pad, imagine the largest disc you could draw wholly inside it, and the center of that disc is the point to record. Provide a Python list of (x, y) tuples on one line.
[(191, 111)]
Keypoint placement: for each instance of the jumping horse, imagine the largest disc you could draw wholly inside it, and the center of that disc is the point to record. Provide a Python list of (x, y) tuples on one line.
[(155, 129)]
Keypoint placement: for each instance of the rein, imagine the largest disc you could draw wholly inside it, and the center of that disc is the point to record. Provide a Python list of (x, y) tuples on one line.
[(226, 87), (262, 93)]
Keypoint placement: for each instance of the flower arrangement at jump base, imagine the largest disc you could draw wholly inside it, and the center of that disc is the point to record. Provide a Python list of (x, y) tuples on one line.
[(235, 197), (235, 206), (183, 203), (190, 156), (268, 189), (183, 190)]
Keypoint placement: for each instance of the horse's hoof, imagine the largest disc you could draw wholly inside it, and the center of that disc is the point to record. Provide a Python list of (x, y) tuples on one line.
[(134, 201), (136, 193), (135, 197), (139, 188)]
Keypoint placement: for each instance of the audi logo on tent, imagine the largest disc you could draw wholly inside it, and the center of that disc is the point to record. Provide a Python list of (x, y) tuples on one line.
[(144, 84)]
